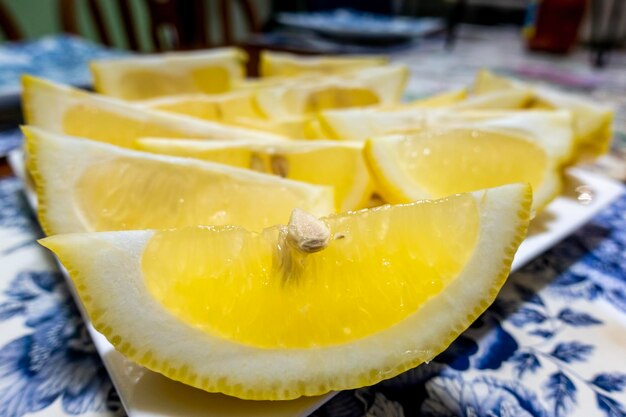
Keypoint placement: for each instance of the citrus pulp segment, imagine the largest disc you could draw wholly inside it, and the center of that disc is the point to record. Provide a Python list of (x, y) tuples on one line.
[(517, 98), (550, 129), (224, 108), (445, 99), (337, 164), (592, 121), (63, 109), (147, 76), (437, 163), (376, 85), (487, 82), (378, 261), (235, 108), (361, 124), (292, 127), (84, 185), (282, 64)]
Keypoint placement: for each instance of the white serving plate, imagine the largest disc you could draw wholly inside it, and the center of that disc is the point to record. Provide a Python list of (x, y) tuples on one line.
[(148, 394)]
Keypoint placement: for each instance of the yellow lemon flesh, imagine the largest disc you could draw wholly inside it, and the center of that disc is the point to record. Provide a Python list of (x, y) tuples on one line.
[(272, 303), (592, 121), (256, 316), (148, 76), (552, 130), (68, 110), (440, 163), (377, 85), (224, 108), (236, 109), (337, 164), (292, 127), (445, 99), (549, 129), (89, 186), (496, 100), (282, 64)]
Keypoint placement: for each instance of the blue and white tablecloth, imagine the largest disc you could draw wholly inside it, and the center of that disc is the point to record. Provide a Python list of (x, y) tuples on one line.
[(47, 360), (59, 58)]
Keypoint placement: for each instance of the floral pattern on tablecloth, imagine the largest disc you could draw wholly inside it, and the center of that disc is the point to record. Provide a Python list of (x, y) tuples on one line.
[(59, 58), (48, 362)]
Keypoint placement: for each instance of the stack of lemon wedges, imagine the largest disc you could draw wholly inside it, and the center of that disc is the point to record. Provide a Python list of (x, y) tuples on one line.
[(299, 233)]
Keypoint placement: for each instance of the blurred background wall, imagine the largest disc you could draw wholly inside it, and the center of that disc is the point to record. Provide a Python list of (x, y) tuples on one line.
[(37, 18), (41, 17)]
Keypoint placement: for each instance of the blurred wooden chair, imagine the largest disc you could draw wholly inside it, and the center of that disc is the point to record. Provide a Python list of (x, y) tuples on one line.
[(8, 25), (173, 24), (249, 13)]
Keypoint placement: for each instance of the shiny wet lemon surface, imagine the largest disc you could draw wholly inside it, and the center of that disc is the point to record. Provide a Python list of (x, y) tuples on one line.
[(463, 160), (340, 166), (211, 79), (84, 120), (126, 194), (141, 83), (337, 98), (255, 289), (225, 108)]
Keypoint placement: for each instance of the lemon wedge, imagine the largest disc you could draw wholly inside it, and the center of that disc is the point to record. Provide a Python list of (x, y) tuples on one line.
[(517, 98), (445, 99), (592, 121), (272, 64), (441, 100), (370, 86), (337, 164), (235, 108), (292, 127), (63, 109), (488, 82), (302, 309), (549, 128), (84, 185), (223, 108), (437, 163), (362, 123), (145, 76)]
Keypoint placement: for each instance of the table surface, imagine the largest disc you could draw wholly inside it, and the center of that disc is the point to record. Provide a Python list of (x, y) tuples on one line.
[(553, 343)]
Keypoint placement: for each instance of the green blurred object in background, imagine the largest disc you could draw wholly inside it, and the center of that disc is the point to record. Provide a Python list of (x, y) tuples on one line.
[(37, 18)]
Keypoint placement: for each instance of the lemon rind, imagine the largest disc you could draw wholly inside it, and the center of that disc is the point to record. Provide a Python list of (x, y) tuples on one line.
[(46, 102), (386, 82), (271, 61), (356, 198), (271, 374), (595, 142), (55, 179), (397, 187), (391, 182), (108, 72)]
